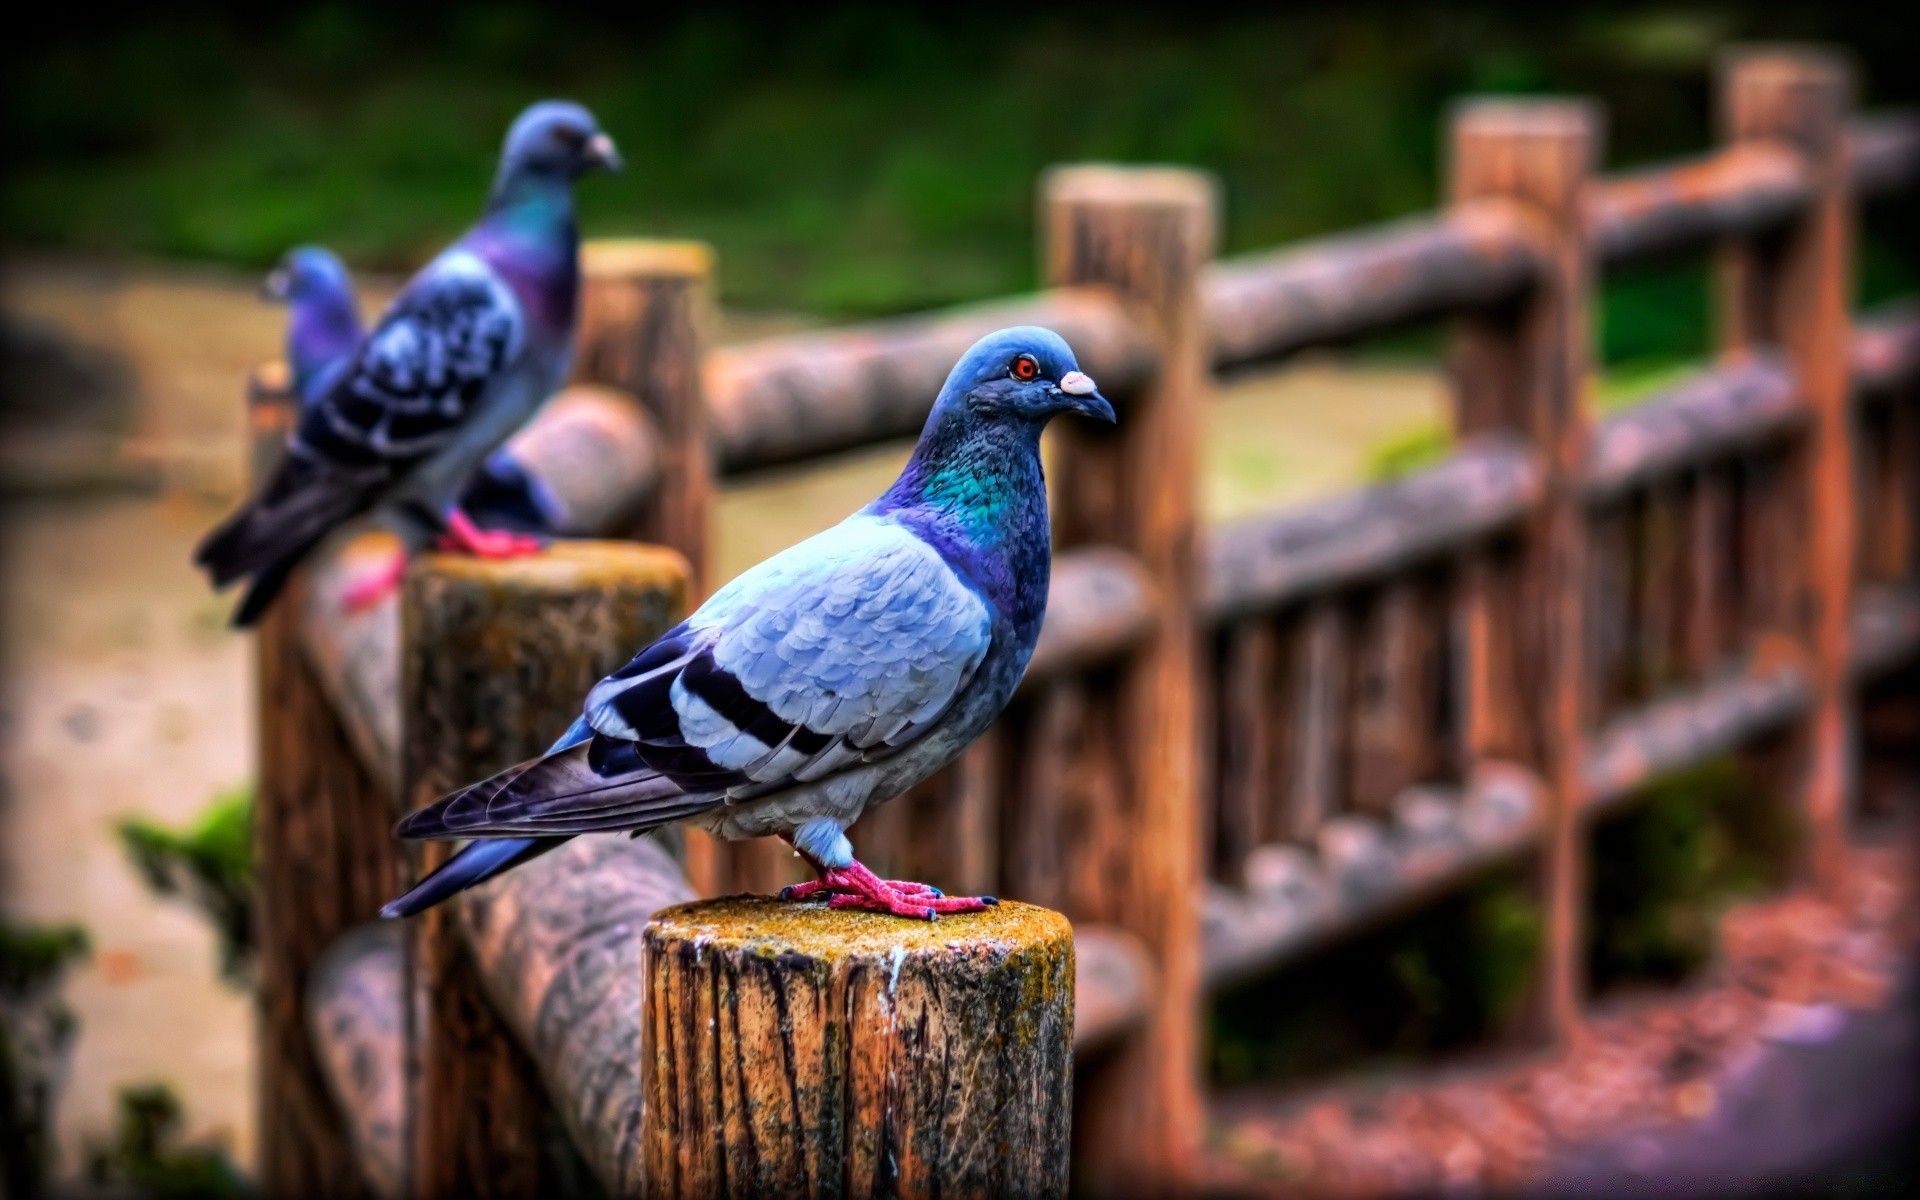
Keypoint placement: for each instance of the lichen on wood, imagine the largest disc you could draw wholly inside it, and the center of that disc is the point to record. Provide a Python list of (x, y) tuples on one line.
[(797, 1050)]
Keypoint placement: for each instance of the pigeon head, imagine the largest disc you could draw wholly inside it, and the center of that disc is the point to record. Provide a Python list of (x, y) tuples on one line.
[(1022, 374), (323, 325), (307, 273), (556, 140)]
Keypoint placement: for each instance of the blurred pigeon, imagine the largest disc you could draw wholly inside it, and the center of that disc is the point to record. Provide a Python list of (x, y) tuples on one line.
[(323, 317), (472, 346), (323, 331), (833, 676)]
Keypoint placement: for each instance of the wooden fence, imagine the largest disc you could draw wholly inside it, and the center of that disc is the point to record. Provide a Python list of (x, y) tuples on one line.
[(1234, 744)]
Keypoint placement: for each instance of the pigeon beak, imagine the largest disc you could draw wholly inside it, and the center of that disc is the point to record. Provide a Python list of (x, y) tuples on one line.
[(278, 284), (1084, 397), (601, 153)]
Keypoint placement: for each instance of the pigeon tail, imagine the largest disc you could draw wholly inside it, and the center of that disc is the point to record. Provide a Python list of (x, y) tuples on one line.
[(273, 534), (481, 860), (476, 863)]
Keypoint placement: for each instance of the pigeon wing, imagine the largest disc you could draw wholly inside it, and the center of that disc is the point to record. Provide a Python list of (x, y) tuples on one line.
[(422, 372), (842, 649)]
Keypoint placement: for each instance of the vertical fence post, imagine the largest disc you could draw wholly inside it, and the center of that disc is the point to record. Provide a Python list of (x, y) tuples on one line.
[(322, 857), (1794, 292), (645, 322), (495, 658), (1147, 234), (1528, 371), (645, 317)]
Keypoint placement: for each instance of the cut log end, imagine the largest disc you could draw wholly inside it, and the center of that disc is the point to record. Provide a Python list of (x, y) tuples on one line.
[(568, 568), (794, 1049)]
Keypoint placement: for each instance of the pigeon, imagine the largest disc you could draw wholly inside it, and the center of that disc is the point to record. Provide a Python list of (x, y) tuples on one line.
[(828, 679), (323, 317), (323, 331), (466, 353)]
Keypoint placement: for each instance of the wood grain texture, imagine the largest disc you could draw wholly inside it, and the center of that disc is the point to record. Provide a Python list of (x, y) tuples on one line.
[(792, 1050), (646, 308), (1147, 234), (1531, 375), (324, 861), (359, 1035), (496, 656), (1249, 768), (1794, 293)]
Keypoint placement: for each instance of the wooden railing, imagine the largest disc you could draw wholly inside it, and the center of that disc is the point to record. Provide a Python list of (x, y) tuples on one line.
[(1234, 744)]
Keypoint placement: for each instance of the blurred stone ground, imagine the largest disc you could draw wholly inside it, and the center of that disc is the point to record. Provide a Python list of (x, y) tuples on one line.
[(122, 692)]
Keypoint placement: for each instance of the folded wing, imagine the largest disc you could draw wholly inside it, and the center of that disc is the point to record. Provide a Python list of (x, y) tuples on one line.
[(840, 651)]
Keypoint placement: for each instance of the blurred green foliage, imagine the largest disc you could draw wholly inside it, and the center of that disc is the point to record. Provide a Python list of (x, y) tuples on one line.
[(36, 1035), (1665, 868), (210, 863), (1447, 976), (844, 160), (147, 1158)]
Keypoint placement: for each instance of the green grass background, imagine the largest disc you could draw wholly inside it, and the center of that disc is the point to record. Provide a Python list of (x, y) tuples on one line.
[(846, 161)]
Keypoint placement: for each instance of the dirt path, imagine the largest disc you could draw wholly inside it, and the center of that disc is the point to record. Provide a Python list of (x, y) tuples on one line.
[(123, 692)]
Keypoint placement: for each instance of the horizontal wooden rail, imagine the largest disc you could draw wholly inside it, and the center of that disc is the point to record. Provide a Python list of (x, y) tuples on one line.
[(1886, 348), (1714, 414), (1365, 871), (786, 399), (1268, 561), (1100, 603), (1332, 289), (558, 946), (1886, 153), (596, 450), (1692, 725), (1685, 206)]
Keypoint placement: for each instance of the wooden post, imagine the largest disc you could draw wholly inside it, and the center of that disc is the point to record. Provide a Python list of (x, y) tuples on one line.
[(646, 317), (496, 658), (798, 1051), (324, 860), (1147, 233), (644, 321), (1527, 370), (1794, 293)]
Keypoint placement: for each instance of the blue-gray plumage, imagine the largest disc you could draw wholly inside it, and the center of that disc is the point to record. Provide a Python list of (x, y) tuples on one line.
[(828, 679), (323, 332), (470, 348)]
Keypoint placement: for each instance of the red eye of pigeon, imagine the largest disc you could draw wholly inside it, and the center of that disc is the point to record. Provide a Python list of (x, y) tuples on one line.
[(1025, 368)]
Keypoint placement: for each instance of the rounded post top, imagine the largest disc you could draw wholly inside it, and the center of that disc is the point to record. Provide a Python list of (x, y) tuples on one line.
[(566, 567), (1116, 183), (770, 927), (638, 258), (1558, 118), (1799, 94), (1798, 64)]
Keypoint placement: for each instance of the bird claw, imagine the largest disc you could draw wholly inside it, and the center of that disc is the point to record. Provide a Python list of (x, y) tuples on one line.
[(368, 590), (856, 887), (464, 537)]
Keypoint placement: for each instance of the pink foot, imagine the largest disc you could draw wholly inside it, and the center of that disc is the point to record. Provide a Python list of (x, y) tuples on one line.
[(853, 886), (376, 585), (464, 537)]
